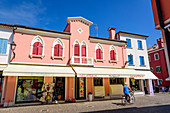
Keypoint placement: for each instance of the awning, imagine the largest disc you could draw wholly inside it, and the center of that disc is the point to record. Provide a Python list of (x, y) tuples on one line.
[(109, 72), (31, 70)]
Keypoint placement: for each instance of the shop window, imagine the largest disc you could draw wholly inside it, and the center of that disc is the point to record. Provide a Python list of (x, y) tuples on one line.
[(156, 56), (134, 84), (98, 81), (1, 85), (58, 49), (139, 44), (158, 69), (128, 43), (160, 81), (29, 89), (116, 81), (3, 46)]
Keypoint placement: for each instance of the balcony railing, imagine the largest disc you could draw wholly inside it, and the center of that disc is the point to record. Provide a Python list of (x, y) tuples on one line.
[(76, 60)]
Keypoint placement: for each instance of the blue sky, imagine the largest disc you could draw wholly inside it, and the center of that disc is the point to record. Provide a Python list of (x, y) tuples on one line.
[(133, 16)]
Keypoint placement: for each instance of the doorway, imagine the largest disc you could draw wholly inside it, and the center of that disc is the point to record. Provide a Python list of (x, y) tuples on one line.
[(81, 88), (59, 88)]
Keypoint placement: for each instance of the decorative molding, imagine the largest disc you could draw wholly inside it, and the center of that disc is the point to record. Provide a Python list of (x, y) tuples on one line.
[(79, 19), (57, 41), (80, 30)]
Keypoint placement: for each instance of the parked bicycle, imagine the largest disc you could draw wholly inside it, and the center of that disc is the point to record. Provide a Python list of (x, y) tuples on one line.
[(125, 99)]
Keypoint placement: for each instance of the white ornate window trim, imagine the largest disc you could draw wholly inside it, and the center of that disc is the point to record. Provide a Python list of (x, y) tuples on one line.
[(37, 39), (84, 43), (97, 47), (57, 41), (77, 42), (113, 48)]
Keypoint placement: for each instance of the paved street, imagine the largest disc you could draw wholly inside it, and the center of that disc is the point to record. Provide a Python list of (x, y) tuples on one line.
[(160, 103)]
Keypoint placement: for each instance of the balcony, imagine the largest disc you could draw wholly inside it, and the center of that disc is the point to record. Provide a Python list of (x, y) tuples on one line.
[(77, 60)]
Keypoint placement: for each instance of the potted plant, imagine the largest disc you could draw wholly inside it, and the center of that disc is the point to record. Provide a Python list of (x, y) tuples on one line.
[(90, 96)]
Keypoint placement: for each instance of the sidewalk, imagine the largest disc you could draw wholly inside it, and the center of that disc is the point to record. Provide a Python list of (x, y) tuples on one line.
[(105, 105)]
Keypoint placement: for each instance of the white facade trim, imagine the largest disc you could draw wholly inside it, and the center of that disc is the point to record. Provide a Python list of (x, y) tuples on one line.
[(37, 39), (58, 41)]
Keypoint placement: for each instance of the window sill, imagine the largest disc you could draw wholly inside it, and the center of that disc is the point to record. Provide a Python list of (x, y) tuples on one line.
[(36, 56), (129, 47), (55, 57), (140, 49), (131, 65), (3, 55), (142, 65), (112, 61), (99, 60)]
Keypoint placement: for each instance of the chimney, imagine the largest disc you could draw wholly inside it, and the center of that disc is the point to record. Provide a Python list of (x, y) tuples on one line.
[(160, 43), (112, 33)]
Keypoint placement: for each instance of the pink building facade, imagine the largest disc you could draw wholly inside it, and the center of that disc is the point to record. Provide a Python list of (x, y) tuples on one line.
[(74, 61), (158, 63)]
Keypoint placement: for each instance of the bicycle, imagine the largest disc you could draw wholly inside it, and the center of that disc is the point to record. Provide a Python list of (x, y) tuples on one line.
[(126, 100)]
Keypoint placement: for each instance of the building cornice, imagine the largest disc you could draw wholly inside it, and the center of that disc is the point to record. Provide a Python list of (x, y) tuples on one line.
[(152, 51), (107, 41), (6, 26), (42, 32), (166, 22), (81, 19), (132, 34)]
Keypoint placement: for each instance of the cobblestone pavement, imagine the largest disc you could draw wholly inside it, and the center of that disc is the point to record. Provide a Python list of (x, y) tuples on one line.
[(159, 103)]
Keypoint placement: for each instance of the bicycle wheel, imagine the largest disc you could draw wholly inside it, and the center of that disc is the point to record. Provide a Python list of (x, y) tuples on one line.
[(133, 99), (124, 102)]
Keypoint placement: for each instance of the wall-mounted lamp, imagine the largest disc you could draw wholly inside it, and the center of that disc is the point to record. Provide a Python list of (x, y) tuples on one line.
[(13, 46)]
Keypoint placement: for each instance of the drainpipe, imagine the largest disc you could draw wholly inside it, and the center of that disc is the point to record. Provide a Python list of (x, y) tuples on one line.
[(166, 33)]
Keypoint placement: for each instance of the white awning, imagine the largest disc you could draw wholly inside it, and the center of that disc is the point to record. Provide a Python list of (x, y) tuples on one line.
[(108, 72), (148, 75), (30, 70)]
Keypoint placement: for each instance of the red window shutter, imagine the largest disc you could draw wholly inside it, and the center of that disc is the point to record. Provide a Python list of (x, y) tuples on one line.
[(97, 54), (114, 55), (76, 50), (35, 49), (40, 48), (100, 54), (111, 55), (83, 54), (60, 50), (56, 50)]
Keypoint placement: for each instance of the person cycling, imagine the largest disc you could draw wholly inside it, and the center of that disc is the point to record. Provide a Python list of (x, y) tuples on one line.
[(127, 90)]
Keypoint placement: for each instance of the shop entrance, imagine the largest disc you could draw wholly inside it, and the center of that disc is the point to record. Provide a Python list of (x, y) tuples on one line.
[(59, 88), (1, 86), (81, 88)]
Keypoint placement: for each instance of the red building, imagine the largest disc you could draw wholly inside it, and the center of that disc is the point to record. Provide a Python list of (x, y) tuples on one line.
[(161, 13), (158, 64)]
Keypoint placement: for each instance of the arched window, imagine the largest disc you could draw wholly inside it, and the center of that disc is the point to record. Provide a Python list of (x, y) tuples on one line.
[(37, 47), (84, 52), (99, 53), (58, 49), (76, 51), (113, 54)]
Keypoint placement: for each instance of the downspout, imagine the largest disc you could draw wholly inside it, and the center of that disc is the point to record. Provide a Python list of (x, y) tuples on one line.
[(167, 38)]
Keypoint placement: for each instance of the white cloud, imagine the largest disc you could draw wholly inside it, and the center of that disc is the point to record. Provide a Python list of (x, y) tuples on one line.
[(23, 13)]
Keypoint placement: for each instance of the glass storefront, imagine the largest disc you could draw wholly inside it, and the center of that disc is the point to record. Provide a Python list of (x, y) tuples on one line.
[(59, 88), (29, 89), (116, 81), (98, 81), (1, 85), (134, 84)]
